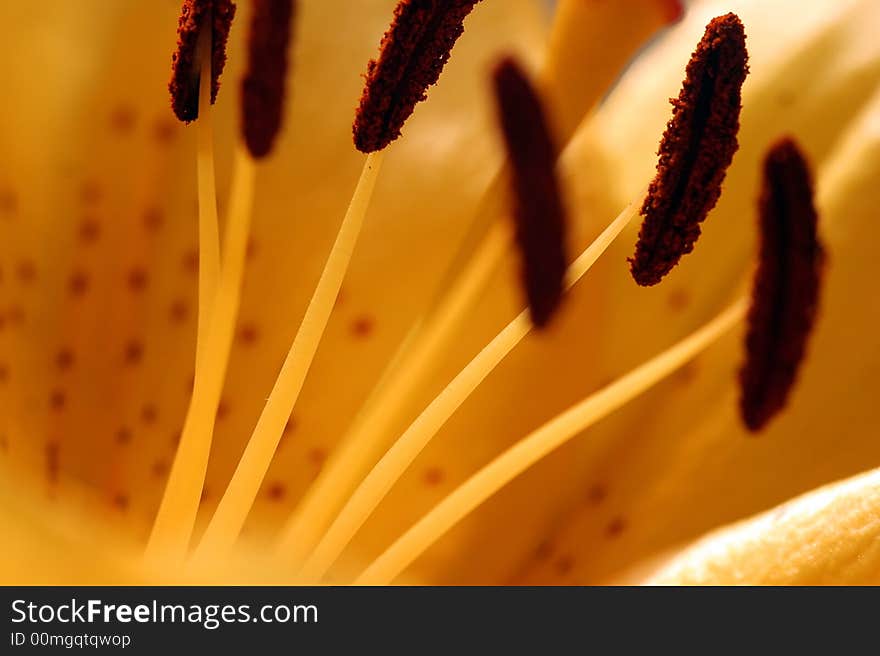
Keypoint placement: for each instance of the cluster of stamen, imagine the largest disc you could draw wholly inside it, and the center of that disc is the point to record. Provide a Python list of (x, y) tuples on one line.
[(697, 148)]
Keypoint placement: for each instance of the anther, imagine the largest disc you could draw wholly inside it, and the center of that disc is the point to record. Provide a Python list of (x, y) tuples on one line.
[(412, 55), (538, 210), (696, 150), (785, 292), (185, 64), (263, 85)]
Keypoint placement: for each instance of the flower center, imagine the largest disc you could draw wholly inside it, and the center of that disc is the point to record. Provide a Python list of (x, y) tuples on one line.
[(696, 150)]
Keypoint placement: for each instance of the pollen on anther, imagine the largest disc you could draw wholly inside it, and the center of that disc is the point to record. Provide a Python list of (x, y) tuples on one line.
[(262, 89), (785, 292), (696, 151), (538, 209), (412, 55), (185, 66)]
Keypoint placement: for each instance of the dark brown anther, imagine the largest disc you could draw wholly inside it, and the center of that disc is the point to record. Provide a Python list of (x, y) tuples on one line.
[(785, 294), (262, 91), (696, 150), (185, 64), (538, 207), (412, 55)]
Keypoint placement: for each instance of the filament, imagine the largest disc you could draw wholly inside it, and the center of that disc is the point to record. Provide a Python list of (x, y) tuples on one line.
[(174, 523), (387, 402), (382, 477), (233, 508), (209, 232), (541, 442)]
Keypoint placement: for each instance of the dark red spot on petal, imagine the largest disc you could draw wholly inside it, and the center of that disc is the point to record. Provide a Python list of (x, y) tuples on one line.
[(434, 476), (26, 272), (123, 119), (78, 283), (276, 491), (153, 219), (149, 414), (597, 494), (137, 280), (248, 334), (89, 230), (179, 311), (134, 352), (190, 261), (564, 565), (57, 400), (123, 436), (615, 527), (64, 359), (362, 326), (8, 201)]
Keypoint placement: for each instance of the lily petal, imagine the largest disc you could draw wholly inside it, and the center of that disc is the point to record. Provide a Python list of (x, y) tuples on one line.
[(830, 536)]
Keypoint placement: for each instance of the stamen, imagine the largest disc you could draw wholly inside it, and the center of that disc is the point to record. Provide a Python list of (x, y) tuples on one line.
[(539, 213), (367, 437), (388, 470), (414, 52), (209, 231), (785, 294), (696, 150), (177, 513), (233, 508), (263, 85), (481, 252), (712, 127), (172, 527), (412, 55), (540, 443), (186, 63)]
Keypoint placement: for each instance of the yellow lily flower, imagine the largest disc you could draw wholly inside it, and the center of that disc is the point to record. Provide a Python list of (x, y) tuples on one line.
[(98, 198)]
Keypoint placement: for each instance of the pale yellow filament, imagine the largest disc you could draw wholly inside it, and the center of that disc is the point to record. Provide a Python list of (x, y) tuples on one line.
[(539, 443), (173, 527), (229, 517), (386, 472), (384, 408)]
